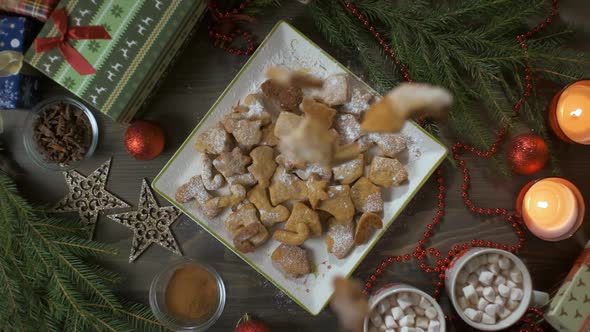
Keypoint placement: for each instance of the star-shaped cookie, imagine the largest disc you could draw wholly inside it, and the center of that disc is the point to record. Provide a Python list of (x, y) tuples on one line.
[(88, 196), (150, 224)]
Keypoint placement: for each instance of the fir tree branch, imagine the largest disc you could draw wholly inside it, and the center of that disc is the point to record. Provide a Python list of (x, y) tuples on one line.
[(48, 284)]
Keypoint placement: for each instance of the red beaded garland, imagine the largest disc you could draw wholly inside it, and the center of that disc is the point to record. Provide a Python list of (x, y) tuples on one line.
[(512, 219), (222, 40)]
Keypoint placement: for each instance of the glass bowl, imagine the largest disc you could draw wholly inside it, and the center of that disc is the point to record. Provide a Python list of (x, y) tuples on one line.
[(30, 145), (157, 298)]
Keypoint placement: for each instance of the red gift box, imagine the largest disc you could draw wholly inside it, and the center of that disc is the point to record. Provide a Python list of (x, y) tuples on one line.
[(39, 9)]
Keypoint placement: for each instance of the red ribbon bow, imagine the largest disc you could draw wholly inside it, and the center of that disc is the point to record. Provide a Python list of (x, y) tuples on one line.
[(73, 57)]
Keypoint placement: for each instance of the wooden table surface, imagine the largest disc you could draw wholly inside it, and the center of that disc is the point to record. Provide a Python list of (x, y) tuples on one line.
[(198, 78)]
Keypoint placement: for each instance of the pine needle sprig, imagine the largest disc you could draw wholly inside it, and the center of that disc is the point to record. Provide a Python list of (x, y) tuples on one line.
[(50, 282), (468, 46)]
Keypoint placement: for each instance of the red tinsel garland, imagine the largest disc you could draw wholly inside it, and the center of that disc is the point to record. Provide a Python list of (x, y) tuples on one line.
[(420, 253)]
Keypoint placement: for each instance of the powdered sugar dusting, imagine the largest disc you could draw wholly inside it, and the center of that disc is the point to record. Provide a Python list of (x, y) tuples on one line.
[(325, 173), (348, 127), (358, 104), (348, 168), (342, 235)]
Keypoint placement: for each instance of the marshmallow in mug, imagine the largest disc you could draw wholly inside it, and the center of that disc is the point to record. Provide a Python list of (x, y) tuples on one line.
[(405, 312), (489, 288)]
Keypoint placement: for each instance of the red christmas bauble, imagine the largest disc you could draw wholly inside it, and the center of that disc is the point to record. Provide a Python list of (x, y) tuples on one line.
[(144, 140), (527, 154), (247, 324)]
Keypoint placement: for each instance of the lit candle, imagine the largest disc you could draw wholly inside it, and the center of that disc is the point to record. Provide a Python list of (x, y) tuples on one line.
[(569, 113), (552, 208)]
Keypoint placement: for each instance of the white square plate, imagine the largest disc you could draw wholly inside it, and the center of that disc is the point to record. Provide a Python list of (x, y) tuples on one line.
[(288, 47)]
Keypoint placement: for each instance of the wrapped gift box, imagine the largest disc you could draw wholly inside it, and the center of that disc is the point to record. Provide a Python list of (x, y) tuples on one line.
[(39, 9), (569, 310), (17, 90), (145, 38)]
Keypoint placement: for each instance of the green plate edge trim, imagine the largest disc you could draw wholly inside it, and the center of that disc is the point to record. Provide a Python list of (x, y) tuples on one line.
[(190, 136)]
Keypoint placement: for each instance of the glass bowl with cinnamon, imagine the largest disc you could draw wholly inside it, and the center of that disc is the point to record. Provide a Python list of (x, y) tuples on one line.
[(187, 296), (60, 132)]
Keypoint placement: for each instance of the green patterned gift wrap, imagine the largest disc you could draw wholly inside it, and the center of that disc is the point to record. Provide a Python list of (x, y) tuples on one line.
[(569, 310), (146, 36)]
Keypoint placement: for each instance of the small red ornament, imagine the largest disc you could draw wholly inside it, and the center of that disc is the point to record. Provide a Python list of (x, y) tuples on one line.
[(248, 324), (527, 154), (144, 140)]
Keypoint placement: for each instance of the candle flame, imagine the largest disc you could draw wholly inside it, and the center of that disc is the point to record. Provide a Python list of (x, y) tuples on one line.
[(543, 204), (577, 113)]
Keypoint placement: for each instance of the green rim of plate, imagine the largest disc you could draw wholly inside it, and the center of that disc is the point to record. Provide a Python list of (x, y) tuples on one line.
[(229, 246)]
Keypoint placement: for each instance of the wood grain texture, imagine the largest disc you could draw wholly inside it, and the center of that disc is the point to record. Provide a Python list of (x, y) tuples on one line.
[(198, 78)]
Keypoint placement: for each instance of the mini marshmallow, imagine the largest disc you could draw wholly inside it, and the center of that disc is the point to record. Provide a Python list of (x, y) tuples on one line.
[(404, 303), (431, 313), (415, 298), (504, 313), (393, 301), (407, 320), (479, 290), (486, 278), (397, 313), (491, 309), (390, 322), (493, 258), (376, 319), (494, 268), (487, 319), (505, 273), (511, 284), (384, 306), (424, 303), (472, 280), (471, 266), (411, 329), (482, 304), (504, 290), (470, 294), (419, 311), (489, 294), (473, 314), (516, 294), (504, 263), (512, 305), (434, 326), (410, 311), (500, 280), (481, 270), (422, 322), (463, 302), (516, 276), (499, 300)]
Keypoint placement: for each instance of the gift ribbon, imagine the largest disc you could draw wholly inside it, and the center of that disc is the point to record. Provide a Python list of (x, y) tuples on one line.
[(10, 63), (73, 57)]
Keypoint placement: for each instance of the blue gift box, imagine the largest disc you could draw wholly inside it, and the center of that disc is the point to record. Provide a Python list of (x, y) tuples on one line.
[(18, 90)]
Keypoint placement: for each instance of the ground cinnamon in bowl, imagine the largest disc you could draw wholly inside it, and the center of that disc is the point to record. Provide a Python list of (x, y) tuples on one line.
[(192, 294), (187, 296)]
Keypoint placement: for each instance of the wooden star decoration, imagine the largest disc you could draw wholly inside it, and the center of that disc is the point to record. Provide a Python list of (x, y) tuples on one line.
[(88, 196), (150, 224)]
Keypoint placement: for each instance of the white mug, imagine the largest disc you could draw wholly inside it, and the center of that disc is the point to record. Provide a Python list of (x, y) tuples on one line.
[(391, 289), (531, 297)]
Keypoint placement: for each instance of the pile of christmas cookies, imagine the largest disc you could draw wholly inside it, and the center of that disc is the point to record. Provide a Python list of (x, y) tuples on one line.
[(292, 163)]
